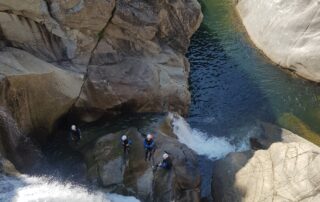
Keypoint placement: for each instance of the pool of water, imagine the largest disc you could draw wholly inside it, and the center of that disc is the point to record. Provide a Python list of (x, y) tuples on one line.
[(233, 85)]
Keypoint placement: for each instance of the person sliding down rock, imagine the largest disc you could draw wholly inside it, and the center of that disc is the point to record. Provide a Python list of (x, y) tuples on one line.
[(149, 147), (75, 134), (125, 144), (166, 162)]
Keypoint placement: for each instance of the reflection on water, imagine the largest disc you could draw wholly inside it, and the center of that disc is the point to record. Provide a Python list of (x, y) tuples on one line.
[(233, 85)]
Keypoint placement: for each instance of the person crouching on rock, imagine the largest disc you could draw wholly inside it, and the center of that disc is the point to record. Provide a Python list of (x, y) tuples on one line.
[(125, 144), (165, 163), (75, 134), (149, 147)]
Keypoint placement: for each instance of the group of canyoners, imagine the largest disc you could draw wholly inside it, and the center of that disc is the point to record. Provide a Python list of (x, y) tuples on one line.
[(148, 144)]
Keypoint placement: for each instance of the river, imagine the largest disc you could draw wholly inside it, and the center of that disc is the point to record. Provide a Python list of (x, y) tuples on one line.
[(233, 85)]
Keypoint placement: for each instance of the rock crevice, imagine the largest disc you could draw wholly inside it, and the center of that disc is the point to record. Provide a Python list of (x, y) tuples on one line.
[(287, 170), (119, 52)]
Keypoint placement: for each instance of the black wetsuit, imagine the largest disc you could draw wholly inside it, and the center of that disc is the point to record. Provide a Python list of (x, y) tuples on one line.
[(166, 163), (75, 136), (126, 145)]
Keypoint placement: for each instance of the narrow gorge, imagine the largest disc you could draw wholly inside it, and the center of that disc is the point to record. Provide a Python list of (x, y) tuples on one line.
[(222, 85)]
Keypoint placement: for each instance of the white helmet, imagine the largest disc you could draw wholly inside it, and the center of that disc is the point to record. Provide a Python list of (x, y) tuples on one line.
[(165, 156), (149, 137), (124, 137), (73, 127)]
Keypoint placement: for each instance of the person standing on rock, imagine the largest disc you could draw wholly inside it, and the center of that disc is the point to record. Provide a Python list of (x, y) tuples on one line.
[(149, 147), (75, 134), (126, 142), (166, 162)]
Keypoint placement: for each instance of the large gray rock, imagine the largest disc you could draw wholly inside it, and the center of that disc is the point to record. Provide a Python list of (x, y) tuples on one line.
[(131, 51), (286, 171), (37, 93), (286, 31), (134, 176)]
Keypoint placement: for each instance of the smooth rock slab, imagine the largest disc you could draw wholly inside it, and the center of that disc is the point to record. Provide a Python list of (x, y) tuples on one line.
[(287, 31), (286, 171)]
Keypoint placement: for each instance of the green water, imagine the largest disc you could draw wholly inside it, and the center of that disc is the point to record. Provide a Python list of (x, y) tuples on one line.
[(232, 83)]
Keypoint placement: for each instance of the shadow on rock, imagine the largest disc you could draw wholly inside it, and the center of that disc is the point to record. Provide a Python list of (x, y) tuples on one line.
[(280, 172), (133, 175)]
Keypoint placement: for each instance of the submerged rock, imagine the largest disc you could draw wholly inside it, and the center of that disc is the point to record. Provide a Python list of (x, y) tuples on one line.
[(286, 31), (133, 175), (286, 171), (289, 120)]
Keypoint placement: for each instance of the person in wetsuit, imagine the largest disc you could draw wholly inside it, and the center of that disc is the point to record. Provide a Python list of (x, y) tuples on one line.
[(125, 142), (149, 147), (75, 134)]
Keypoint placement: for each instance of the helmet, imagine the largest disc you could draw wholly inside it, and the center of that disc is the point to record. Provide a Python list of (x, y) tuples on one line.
[(149, 137), (165, 156), (73, 127), (124, 137)]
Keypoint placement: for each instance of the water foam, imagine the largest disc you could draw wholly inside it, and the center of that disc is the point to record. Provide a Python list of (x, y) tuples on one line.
[(212, 147), (26, 189)]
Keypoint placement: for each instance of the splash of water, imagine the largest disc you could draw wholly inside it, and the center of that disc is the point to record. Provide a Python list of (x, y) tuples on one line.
[(26, 189), (212, 147)]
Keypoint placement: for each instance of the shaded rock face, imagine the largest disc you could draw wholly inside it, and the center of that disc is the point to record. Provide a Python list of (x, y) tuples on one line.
[(286, 31), (286, 171), (14, 145), (132, 175), (94, 57), (36, 92)]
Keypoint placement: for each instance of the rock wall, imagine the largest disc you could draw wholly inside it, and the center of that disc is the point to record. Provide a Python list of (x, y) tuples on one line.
[(132, 175), (287, 31), (286, 171), (93, 56)]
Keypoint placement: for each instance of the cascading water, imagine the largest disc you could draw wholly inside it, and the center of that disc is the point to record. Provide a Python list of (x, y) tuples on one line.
[(25, 188), (204, 144)]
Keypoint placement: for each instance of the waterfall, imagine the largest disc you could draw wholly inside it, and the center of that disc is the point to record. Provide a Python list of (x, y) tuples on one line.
[(203, 144), (24, 188)]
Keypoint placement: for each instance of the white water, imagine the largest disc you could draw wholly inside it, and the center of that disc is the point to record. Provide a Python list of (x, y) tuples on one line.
[(27, 189), (212, 147)]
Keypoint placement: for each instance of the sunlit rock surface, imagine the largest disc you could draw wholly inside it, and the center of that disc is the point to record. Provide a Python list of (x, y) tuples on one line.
[(286, 171), (287, 31)]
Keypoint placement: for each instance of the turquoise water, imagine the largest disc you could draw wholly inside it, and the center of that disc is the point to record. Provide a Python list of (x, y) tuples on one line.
[(233, 85)]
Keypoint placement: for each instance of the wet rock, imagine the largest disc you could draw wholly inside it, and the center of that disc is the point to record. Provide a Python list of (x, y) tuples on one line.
[(286, 171), (110, 178), (133, 175), (6, 167), (286, 31), (15, 146), (224, 176)]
